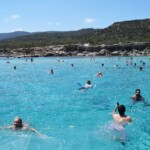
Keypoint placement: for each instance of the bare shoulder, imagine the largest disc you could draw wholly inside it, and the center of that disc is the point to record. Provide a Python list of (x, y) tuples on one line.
[(129, 118), (115, 116), (25, 127), (32, 129)]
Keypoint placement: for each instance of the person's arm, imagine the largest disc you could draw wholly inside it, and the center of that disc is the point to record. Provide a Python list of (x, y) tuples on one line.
[(115, 108), (34, 130), (7, 127), (133, 97), (129, 119)]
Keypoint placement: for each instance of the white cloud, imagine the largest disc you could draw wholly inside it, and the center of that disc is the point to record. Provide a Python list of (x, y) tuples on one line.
[(54, 24), (89, 20), (15, 16), (17, 29)]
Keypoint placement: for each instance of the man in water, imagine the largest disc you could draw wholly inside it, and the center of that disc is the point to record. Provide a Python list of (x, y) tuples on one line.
[(18, 125), (137, 96)]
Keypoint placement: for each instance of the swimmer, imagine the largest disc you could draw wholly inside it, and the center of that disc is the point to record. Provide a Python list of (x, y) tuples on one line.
[(87, 85), (137, 96), (14, 67), (141, 68), (121, 118), (51, 71), (99, 74), (72, 65), (117, 66), (18, 125)]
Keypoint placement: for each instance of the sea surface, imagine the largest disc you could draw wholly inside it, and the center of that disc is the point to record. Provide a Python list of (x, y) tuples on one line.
[(69, 118)]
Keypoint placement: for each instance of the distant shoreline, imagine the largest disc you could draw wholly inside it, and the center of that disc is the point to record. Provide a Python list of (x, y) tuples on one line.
[(75, 50)]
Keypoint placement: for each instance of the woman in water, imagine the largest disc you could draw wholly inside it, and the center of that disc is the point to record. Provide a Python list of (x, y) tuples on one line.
[(121, 117), (120, 120)]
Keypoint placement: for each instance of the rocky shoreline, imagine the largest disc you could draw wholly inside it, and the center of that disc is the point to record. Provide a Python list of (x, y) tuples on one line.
[(128, 49)]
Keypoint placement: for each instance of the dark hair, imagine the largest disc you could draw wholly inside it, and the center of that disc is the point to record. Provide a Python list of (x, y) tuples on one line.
[(121, 109), (138, 90), (20, 120), (88, 82)]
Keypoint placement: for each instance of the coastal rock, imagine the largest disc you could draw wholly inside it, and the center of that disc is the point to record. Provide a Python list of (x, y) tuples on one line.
[(128, 49), (104, 52), (115, 53)]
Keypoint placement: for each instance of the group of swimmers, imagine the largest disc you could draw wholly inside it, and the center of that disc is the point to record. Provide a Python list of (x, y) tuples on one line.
[(88, 83), (121, 119)]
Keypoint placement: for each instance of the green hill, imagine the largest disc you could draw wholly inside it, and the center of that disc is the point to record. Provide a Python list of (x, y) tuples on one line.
[(119, 32)]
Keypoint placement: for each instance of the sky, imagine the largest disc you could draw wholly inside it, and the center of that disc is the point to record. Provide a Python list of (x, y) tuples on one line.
[(68, 15)]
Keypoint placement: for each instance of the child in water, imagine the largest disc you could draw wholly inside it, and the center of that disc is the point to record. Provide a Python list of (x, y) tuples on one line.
[(87, 85)]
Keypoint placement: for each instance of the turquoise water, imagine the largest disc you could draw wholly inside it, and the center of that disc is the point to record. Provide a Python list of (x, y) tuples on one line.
[(72, 119)]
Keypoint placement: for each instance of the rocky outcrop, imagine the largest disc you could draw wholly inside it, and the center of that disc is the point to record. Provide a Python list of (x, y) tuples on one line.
[(129, 49)]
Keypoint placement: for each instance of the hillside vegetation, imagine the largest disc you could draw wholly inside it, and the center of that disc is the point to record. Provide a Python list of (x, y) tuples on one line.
[(119, 32)]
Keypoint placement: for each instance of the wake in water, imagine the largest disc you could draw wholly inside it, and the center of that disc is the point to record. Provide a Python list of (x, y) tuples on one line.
[(26, 140)]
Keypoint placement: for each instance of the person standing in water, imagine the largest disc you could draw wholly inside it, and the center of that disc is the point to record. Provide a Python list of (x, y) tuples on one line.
[(137, 96), (121, 117), (119, 122)]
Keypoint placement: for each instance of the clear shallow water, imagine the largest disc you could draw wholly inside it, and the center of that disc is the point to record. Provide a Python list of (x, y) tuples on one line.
[(73, 119)]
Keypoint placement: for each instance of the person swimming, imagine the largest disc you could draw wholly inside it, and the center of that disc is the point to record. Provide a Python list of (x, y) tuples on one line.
[(51, 71), (99, 74), (18, 125), (87, 85)]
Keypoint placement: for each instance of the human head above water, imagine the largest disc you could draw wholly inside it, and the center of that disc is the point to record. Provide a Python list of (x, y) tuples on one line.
[(137, 91), (121, 109), (89, 82), (18, 122)]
